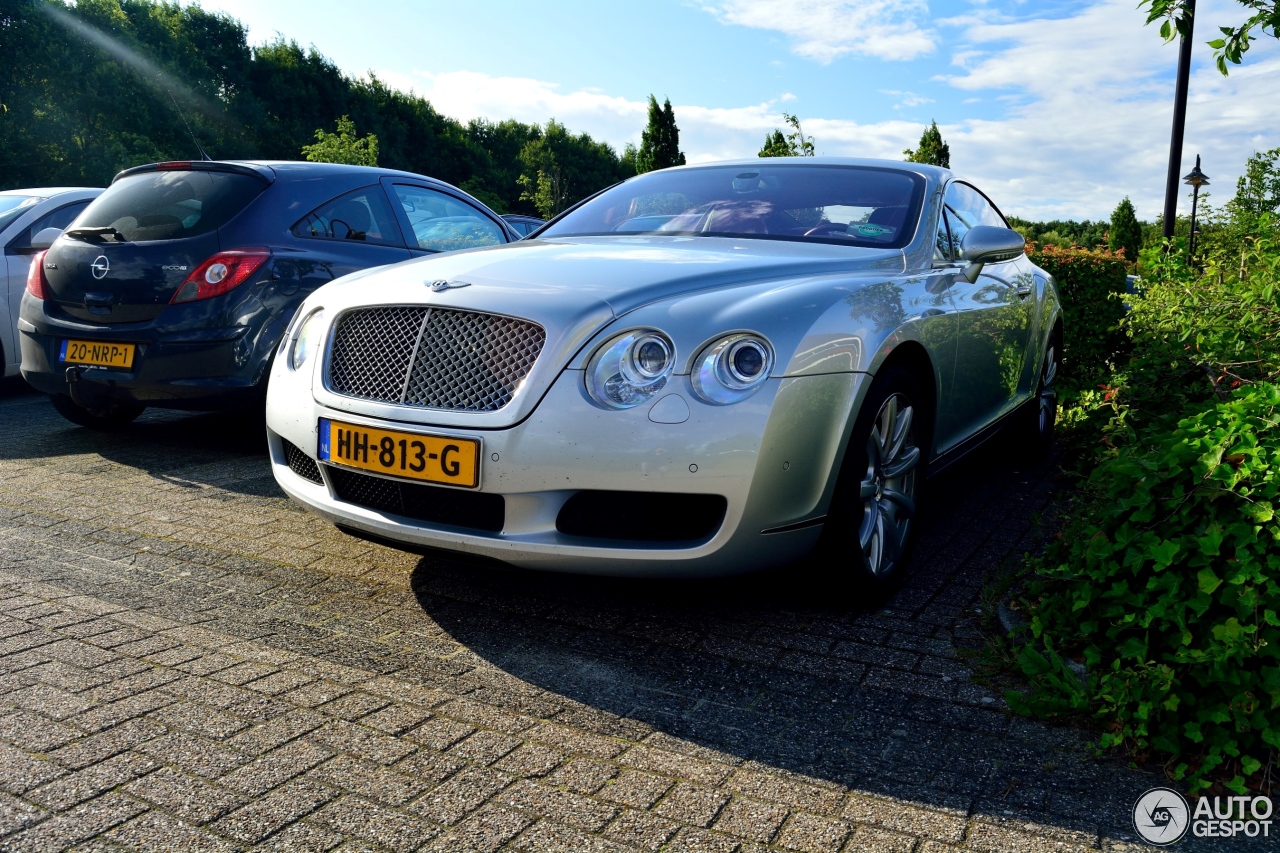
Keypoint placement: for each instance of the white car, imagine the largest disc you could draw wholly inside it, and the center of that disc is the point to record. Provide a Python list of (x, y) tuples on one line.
[(701, 370), (30, 220)]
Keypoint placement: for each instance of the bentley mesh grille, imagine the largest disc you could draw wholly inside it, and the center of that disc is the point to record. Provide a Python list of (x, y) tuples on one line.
[(436, 358), (300, 463)]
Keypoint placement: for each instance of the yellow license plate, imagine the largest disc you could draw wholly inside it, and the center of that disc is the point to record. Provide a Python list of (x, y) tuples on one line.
[(97, 353), (455, 461)]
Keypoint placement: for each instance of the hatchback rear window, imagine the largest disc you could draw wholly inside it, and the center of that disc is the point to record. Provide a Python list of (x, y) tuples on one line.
[(170, 205)]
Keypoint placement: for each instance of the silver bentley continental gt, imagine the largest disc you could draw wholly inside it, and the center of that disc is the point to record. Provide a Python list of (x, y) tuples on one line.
[(702, 370)]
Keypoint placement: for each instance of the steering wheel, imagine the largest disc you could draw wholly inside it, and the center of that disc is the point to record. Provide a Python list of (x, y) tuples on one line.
[(827, 228)]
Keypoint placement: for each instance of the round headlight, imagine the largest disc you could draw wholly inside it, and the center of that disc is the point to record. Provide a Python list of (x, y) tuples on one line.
[(631, 368), (731, 368), (306, 339)]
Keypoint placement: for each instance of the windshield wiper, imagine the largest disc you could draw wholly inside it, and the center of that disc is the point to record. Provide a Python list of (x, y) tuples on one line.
[(96, 235)]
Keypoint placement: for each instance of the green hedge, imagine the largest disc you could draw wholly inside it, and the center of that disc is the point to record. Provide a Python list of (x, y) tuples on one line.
[(1091, 284), (1165, 581), (1167, 589)]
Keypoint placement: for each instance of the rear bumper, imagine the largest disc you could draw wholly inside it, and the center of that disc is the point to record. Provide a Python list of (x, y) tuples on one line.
[(198, 369)]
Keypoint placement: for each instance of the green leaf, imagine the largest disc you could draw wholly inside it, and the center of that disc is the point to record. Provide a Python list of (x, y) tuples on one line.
[(1208, 581), (1261, 511), (1164, 554)]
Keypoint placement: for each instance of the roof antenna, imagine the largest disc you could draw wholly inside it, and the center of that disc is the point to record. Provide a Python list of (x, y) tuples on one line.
[(203, 154)]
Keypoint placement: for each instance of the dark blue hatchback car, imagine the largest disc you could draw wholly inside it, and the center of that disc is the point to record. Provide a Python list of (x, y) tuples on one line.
[(174, 286)]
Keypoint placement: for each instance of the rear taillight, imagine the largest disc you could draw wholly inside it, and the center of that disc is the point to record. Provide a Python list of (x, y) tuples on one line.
[(223, 272), (35, 275)]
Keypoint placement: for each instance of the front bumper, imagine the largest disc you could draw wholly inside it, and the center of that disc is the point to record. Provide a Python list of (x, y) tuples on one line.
[(198, 368), (771, 457)]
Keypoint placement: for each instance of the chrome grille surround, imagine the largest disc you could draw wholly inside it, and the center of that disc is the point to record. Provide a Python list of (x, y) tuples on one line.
[(432, 358)]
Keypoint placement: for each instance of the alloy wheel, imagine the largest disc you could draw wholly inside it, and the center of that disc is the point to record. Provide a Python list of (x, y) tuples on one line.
[(889, 488), (1048, 396)]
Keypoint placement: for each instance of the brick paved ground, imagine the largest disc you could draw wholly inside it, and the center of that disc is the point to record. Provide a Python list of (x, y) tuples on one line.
[(189, 662)]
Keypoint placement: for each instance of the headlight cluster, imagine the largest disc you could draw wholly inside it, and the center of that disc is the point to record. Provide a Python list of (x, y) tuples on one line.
[(631, 368), (731, 368), (304, 339)]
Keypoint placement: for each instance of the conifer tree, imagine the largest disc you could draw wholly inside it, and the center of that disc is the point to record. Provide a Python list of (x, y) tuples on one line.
[(932, 149), (794, 144), (1125, 233), (660, 141)]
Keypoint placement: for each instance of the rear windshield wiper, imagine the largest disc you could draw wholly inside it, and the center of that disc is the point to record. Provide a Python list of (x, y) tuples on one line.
[(96, 235)]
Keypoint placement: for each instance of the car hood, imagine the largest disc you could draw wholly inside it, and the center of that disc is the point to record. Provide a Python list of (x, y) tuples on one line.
[(573, 288)]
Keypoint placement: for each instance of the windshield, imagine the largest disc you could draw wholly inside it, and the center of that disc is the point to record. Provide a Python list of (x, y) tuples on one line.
[(171, 204), (846, 205), (13, 206)]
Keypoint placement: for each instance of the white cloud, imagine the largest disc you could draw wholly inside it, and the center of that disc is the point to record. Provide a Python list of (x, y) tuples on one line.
[(908, 99), (1087, 104), (1090, 101), (825, 30)]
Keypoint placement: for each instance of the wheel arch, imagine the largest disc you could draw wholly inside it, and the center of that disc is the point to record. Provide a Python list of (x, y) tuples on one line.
[(914, 358)]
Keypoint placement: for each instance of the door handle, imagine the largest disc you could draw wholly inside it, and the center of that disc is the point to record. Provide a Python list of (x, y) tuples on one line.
[(1024, 290)]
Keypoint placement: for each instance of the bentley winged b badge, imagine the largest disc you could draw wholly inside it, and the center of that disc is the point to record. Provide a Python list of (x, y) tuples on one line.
[(442, 285)]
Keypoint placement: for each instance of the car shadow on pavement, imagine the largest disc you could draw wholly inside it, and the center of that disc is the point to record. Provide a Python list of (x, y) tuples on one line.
[(227, 451), (789, 669)]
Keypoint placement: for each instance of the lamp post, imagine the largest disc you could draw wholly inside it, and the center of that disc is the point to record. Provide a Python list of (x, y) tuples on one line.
[(1179, 122), (1196, 179)]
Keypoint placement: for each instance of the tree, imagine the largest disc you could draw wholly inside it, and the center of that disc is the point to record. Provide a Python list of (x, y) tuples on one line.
[(343, 146), (660, 141), (932, 149), (794, 144), (1264, 17), (630, 154), (1125, 233), (1258, 189)]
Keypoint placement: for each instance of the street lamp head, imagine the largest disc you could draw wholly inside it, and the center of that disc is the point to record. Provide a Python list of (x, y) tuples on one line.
[(1195, 177)]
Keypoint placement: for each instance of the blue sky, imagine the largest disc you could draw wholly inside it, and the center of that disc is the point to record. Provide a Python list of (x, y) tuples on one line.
[(1054, 108)]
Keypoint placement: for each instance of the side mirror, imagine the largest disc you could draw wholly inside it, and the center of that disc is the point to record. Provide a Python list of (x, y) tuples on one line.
[(45, 238), (989, 244)]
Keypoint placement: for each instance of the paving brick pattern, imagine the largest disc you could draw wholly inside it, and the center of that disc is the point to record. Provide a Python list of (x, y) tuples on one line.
[(189, 662)]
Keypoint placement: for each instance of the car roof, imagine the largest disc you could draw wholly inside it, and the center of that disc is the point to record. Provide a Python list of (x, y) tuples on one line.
[(48, 192), (304, 169), (936, 172)]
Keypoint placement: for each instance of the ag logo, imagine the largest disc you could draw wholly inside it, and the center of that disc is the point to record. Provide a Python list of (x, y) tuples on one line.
[(100, 266), (1161, 816)]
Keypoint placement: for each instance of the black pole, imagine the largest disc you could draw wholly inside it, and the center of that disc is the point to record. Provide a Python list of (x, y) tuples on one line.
[(1195, 197), (1179, 121)]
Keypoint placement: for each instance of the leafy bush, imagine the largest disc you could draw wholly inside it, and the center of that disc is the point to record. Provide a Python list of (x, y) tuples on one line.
[(1166, 580), (1091, 284)]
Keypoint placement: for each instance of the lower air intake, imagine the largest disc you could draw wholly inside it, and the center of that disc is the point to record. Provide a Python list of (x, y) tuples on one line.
[(301, 464), (433, 504), (642, 516)]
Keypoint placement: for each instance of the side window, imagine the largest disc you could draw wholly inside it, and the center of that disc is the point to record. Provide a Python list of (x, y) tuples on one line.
[(60, 219), (942, 241), (442, 223), (362, 215), (965, 208)]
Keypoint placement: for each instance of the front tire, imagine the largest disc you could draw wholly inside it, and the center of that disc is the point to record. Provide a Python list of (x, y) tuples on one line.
[(870, 526), (1042, 413), (108, 418)]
